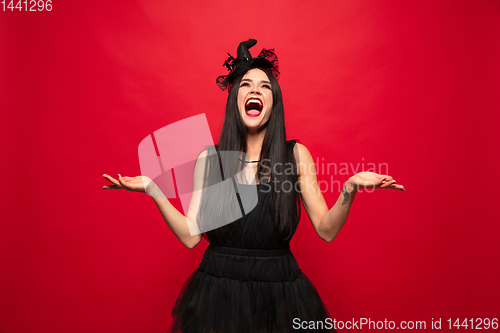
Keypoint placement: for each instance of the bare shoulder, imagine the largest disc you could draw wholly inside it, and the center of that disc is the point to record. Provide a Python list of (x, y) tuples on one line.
[(303, 158), (201, 161), (302, 151), (203, 154)]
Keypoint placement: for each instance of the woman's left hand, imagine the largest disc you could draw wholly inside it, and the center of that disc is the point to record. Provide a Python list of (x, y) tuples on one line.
[(373, 180)]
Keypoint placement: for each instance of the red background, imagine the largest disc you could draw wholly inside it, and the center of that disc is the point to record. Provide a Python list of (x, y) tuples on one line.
[(413, 84)]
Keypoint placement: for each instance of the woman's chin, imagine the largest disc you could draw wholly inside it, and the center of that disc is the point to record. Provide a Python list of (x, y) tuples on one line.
[(253, 121), (254, 124)]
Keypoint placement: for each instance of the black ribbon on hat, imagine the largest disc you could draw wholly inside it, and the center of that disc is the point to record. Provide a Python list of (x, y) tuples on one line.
[(244, 61)]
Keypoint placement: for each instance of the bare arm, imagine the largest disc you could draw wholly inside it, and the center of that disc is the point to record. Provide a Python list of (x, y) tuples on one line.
[(176, 221), (329, 222)]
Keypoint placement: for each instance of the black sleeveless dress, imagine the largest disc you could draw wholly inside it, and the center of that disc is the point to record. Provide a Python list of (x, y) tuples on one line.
[(246, 284)]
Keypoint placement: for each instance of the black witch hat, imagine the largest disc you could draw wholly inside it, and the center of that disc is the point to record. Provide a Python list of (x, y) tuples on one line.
[(266, 59)]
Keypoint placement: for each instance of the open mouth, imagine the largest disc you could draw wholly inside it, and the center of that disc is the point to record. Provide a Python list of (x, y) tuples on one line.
[(253, 107)]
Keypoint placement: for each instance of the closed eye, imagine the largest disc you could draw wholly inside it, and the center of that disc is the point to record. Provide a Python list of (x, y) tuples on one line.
[(248, 85)]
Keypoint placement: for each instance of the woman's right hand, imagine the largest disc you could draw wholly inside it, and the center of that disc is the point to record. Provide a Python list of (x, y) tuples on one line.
[(135, 184)]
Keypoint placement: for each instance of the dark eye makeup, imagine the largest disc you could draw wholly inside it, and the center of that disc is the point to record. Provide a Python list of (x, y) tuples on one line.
[(248, 84)]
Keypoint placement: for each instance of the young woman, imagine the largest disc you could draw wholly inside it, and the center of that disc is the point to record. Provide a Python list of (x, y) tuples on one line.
[(248, 279)]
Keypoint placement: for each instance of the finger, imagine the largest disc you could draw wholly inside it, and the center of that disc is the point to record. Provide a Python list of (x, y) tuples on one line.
[(388, 184), (111, 179), (397, 187), (123, 182), (387, 177), (112, 187)]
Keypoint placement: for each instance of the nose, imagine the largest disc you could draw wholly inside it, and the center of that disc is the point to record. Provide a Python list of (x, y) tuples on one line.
[(255, 90)]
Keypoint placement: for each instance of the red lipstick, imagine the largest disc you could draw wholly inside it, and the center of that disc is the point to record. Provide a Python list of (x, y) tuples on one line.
[(253, 107)]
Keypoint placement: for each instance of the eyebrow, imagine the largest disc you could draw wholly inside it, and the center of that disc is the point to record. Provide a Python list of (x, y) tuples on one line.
[(263, 81)]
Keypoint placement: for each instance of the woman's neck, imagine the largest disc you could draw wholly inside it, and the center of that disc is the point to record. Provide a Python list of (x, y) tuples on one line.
[(254, 143)]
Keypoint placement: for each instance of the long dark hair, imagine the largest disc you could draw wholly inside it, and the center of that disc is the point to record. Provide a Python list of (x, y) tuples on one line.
[(275, 158)]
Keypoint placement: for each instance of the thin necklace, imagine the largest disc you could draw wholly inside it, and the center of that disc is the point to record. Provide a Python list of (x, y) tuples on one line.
[(248, 161)]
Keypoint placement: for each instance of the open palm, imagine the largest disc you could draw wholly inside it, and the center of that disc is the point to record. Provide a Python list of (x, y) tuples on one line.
[(372, 180), (135, 184)]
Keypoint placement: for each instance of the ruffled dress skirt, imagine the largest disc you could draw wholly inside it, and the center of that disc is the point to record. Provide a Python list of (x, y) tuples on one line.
[(247, 290)]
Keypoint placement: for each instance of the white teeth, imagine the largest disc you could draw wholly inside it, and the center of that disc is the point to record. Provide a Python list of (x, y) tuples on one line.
[(253, 100)]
